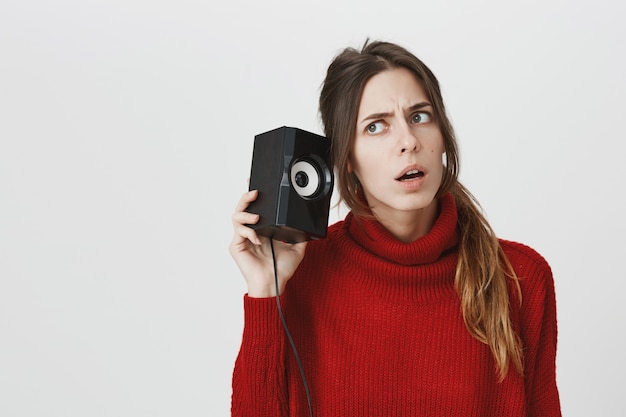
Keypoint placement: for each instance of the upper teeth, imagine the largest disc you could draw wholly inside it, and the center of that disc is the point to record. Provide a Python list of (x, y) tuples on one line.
[(412, 172)]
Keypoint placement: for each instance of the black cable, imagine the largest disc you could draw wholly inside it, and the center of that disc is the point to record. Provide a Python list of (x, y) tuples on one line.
[(293, 345)]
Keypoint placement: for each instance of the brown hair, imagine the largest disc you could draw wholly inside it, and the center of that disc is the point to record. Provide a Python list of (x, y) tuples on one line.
[(482, 269)]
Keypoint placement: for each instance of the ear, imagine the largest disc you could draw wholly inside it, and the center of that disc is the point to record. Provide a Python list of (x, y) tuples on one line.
[(349, 166)]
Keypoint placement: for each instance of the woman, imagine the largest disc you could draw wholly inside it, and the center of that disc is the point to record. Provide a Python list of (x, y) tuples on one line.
[(411, 306)]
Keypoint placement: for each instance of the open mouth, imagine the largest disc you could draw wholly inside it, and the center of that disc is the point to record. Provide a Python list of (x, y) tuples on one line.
[(410, 175)]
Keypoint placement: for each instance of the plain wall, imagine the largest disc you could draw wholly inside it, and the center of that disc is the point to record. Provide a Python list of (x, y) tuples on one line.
[(126, 132)]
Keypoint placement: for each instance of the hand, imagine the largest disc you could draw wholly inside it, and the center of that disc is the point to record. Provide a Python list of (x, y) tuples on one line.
[(253, 253)]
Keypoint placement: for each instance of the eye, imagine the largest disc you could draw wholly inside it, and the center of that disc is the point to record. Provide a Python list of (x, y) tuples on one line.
[(421, 117), (375, 128)]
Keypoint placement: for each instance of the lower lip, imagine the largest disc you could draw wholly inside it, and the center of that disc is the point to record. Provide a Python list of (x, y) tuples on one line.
[(412, 184)]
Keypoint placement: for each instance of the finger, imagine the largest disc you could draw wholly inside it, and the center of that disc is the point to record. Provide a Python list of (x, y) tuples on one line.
[(243, 217), (300, 246), (246, 199), (297, 248), (243, 233)]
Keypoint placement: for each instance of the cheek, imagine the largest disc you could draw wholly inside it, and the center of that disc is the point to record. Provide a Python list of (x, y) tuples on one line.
[(438, 149), (365, 161), (357, 162)]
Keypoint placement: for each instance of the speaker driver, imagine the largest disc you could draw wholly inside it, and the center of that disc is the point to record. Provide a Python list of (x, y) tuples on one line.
[(306, 178)]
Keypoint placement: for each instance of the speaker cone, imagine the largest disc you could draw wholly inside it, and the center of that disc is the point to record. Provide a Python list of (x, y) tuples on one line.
[(306, 178)]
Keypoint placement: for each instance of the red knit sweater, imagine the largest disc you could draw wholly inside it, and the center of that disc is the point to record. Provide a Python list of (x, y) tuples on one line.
[(379, 329)]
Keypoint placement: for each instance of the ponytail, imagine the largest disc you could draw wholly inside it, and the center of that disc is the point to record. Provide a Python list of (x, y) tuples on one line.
[(481, 280)]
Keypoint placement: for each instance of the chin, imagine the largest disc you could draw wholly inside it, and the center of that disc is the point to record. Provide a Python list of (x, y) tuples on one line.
[(413, 202), (422, 201), (415, 206)]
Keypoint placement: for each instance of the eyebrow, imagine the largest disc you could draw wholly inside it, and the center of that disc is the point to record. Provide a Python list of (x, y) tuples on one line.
[(414, 107)]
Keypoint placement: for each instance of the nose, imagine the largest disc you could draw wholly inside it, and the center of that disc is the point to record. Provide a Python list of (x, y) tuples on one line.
[(408, 142)]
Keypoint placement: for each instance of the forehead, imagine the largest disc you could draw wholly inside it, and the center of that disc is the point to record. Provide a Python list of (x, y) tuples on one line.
[(387, 90)]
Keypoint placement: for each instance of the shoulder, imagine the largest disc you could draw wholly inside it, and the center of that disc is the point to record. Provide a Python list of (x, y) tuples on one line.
[(322, 259), (328, 245), (533, 273), (524, 258)]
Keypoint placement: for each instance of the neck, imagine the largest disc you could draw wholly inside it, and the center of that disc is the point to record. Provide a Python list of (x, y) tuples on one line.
[(408, 226)]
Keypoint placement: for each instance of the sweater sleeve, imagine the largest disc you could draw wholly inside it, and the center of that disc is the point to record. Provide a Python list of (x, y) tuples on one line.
[(260, 375), (540, 332)]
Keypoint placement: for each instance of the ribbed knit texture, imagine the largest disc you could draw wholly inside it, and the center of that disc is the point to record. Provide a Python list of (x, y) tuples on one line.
[(379, 328)]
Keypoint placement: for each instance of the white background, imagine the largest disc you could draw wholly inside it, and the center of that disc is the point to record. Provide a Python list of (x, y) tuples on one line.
[(126, 131)]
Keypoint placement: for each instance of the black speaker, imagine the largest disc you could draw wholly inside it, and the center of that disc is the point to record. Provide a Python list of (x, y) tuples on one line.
[(292, 170)]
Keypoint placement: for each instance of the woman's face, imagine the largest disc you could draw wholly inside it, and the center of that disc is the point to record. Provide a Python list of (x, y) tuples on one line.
[(397, 153)]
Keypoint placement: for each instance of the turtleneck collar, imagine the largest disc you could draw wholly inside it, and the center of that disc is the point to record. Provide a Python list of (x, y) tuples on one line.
[(373, 237)]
